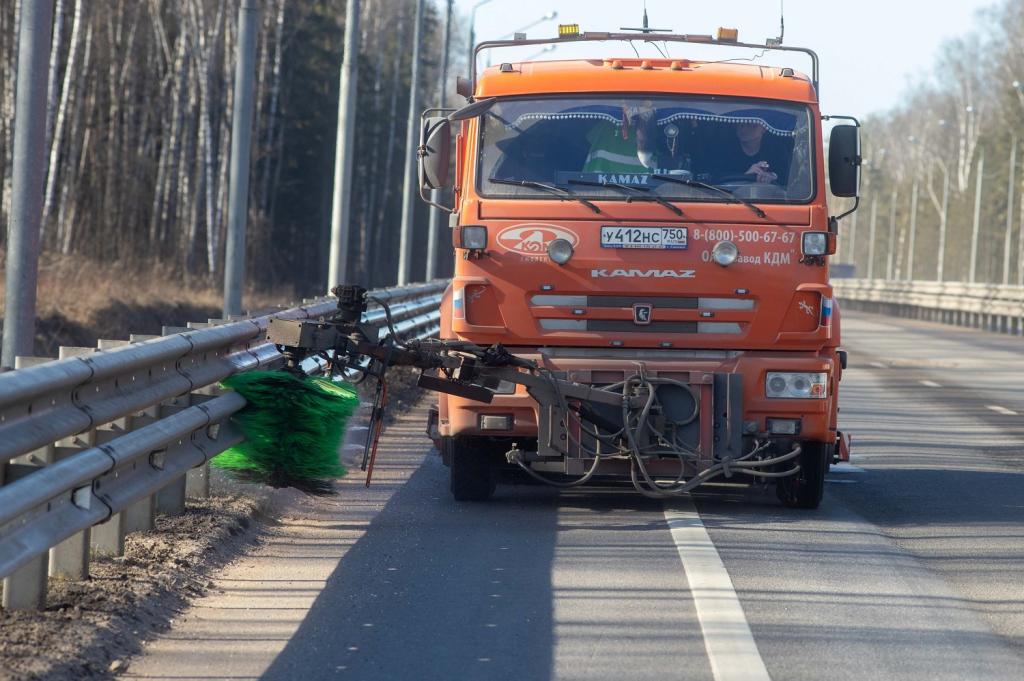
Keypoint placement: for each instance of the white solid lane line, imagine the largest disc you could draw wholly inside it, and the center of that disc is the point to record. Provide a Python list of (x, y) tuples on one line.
[(1001, 410), (730, 645), (930, 384)]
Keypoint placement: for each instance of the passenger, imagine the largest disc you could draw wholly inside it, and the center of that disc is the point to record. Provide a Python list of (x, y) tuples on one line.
[(613, 148), (639, 146)]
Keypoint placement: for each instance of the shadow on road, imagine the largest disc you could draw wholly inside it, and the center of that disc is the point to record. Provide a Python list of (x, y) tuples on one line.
[(437, 589)]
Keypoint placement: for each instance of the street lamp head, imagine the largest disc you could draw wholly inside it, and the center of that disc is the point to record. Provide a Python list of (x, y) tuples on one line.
[(553, 14)]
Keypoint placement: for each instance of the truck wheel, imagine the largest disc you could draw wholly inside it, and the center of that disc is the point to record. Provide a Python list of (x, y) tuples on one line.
[(805, 489), (472, 473)]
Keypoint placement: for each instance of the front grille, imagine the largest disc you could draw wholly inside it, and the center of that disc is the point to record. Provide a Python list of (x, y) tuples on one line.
[(592, 313)]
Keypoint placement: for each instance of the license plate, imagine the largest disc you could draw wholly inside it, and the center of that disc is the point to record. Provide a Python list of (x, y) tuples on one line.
[(623, 236)]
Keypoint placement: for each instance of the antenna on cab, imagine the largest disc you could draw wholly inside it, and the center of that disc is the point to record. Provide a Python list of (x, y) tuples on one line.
[(775, 42), (646, 29)]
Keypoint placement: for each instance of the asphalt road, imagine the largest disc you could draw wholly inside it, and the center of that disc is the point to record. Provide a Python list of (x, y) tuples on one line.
[(912, 569)]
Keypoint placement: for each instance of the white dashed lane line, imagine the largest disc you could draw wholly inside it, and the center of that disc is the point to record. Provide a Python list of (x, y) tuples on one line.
[(730, 645), (1001, 410), (930, 384)]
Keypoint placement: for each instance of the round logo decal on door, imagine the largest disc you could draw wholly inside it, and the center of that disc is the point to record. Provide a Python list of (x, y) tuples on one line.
[(532, 239)]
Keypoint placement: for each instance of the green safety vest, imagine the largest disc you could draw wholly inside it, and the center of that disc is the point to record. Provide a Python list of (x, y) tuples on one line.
[(610, 153)]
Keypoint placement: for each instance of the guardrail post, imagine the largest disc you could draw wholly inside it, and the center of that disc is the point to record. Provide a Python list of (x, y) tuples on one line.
[(25, 588), (197, 480), (139, 516), (171, 499), (108, 537), (70, 558)]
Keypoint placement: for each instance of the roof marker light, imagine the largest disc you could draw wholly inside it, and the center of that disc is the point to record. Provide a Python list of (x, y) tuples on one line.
[(727, 35)]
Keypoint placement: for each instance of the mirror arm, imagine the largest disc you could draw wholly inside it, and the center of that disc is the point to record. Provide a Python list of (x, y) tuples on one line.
[(426, 199), (833, 222)]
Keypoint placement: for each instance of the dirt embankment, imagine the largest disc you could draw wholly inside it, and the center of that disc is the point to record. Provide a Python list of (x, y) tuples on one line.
[(81, 301)]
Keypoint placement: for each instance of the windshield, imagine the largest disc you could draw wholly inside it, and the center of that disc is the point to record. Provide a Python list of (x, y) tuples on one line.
[(601, 147)]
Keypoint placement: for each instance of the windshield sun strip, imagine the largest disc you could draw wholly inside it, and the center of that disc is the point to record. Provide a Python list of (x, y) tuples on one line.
[(814, 131)]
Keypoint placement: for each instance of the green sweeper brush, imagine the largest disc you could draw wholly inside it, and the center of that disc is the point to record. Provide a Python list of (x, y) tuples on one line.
[(293, 425)]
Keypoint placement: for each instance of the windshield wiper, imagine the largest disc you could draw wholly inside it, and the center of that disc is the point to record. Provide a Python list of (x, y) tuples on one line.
[(710, 187), (564, 193), (643, 196)]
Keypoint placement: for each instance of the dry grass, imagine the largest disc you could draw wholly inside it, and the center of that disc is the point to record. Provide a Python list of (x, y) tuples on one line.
[(80, 300)]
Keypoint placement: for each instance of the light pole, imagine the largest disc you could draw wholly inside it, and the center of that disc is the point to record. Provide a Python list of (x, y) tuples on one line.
[(890, 260), (472, 35), (553, 14), (913, 210), (28, 178), (1009, 208), (411, 192), (549, 48), (341, 231), (1019, 89), (436, 214), (975, 231)]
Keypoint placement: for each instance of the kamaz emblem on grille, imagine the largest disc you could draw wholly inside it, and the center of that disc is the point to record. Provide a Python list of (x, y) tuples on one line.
[(642, 313), (645, 274)]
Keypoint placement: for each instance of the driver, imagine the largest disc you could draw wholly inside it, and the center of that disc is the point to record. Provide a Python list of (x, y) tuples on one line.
[(750, 154)]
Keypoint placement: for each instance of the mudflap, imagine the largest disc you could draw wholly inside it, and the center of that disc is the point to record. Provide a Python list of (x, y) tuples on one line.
[(842, 450), (728, 415)]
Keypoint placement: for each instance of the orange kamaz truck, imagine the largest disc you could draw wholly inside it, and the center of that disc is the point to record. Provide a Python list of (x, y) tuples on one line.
[(660, 220)]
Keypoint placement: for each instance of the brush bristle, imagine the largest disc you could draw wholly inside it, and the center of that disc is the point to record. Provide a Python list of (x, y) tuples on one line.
[(293, 428)]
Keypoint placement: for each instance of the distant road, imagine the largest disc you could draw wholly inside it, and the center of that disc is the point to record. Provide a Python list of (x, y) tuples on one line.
[(912, 569)]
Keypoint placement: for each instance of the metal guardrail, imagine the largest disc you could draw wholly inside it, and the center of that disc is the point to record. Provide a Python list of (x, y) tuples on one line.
[(93, 444), (992, 307)]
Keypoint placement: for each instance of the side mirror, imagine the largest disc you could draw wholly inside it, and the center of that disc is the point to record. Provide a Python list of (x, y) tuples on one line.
[(844, 161), (464, 87), (435, 153)]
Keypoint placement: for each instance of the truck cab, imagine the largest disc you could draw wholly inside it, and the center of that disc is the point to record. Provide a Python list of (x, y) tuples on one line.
[(660, 216)]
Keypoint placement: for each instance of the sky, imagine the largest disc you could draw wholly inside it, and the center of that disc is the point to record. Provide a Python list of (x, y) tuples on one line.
[(869, 49)]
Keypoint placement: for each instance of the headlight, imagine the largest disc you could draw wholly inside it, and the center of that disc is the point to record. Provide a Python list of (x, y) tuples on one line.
[(796, 385), (474, 237), (724, 253), (560, 250), (815, 243)]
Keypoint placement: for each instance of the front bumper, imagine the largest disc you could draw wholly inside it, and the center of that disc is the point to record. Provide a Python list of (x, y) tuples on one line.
[(816, 417)]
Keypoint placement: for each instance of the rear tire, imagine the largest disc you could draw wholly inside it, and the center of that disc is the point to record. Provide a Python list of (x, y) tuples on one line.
[(806, 488), (472, 471)]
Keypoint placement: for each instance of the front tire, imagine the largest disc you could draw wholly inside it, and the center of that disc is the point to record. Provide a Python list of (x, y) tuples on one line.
[(806, 488), (473, 477)]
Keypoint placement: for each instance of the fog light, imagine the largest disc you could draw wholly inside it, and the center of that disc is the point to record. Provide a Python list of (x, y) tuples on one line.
[(560, 250), (815, 243), (495, 422), (474, 237), (725, 253), (784, 426)]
